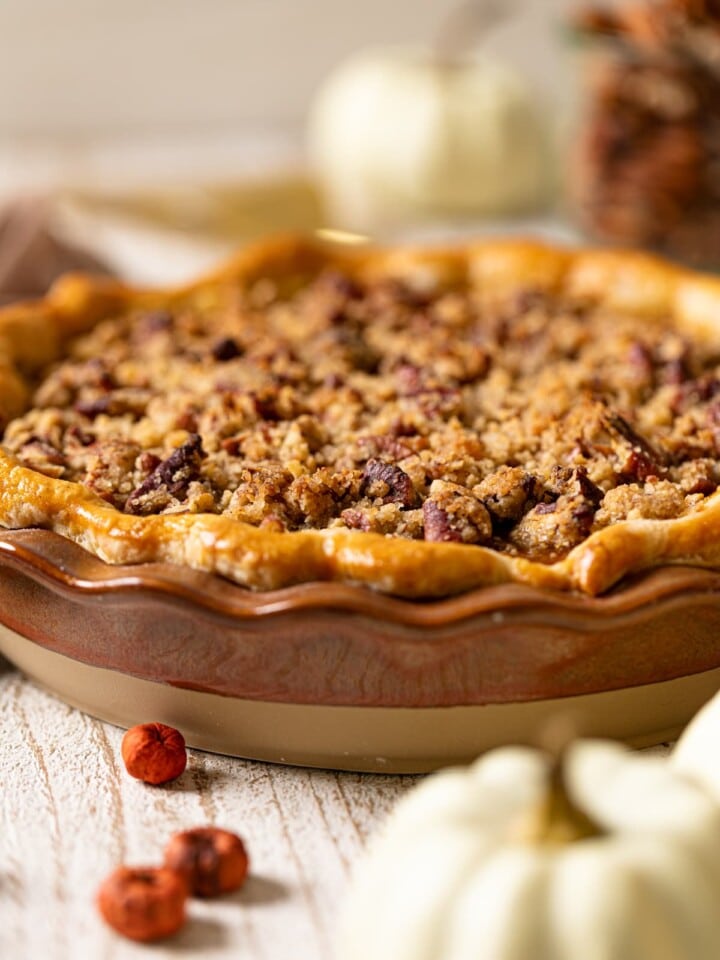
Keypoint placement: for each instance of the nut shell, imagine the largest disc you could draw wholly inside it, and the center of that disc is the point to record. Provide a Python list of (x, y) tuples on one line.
[(212, 860), (154, 753), (143, 903)]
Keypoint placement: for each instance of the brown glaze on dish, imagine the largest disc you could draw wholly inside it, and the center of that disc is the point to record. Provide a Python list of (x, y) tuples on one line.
[(335, 644), (421, 422)]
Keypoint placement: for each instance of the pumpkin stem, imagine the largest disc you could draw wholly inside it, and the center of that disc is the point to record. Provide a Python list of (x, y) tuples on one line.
[(556, 820), (462, 28)]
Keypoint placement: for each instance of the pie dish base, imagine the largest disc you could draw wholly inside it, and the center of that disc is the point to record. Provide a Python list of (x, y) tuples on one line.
[(368, 739)]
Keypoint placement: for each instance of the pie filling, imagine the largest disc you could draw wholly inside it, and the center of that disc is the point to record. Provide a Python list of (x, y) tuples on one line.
[(524, 424)]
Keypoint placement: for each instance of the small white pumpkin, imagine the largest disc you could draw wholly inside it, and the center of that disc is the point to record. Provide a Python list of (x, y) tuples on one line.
[(697, 752), (398, 135), (497, 863)]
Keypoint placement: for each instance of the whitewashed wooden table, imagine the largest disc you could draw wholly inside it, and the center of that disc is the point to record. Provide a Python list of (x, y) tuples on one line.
[(70, 814)]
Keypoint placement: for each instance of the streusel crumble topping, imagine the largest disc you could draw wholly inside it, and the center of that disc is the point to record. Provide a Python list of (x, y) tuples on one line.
[(523, 424)]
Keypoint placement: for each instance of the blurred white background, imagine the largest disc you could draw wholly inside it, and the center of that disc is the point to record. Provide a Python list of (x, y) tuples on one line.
[(101, 97), (95, 67)]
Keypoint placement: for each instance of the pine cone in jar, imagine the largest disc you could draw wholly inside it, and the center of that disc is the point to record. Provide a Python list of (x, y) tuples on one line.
[(646, 165), (695, 10), (649, 190), (650, 23), (637, 23)]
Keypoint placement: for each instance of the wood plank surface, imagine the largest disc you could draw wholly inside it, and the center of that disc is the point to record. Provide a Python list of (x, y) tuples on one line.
[(70, 814)]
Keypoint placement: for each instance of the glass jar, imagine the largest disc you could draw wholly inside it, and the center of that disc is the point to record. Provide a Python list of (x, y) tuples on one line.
[(645, 167)]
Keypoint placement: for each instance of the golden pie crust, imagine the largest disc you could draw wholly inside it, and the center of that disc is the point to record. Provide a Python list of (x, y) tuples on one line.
[(34, 336)]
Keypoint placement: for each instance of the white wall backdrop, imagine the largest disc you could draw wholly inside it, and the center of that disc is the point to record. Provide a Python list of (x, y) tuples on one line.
[(89, 67)]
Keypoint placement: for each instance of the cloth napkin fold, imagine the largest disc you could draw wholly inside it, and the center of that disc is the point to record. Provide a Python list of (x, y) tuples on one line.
[(32, 256)]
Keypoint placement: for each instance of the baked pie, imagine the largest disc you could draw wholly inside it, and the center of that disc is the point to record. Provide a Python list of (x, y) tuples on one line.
[(421, 422)]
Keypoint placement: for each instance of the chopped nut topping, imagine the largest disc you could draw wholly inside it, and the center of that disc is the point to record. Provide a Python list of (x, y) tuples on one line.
[(170, 479), (388, 483), (524, 424)]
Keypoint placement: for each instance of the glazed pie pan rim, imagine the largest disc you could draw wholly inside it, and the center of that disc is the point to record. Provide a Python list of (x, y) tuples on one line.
[(340, 645), (67, 568)]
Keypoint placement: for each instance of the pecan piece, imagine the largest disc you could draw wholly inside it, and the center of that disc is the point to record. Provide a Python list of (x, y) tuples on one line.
[(171, 478), (437, 524), (226, 349), (340, 284), (266, 406), (356, 519), (641, 362), (41, 455), (115, 404), (583, 486), (697, 476), (387, 445), (637, 467), (409, 380), (582, 496), (675, 372), (109, 469), (335, 290), (506, 492), (388, 482), (574, 482), (154, 321), (555, 525), (644, 460), (93, 408), (79, 436), (389, 519), (712, 415), (452, 513), (260, 493), (692, 392), (147, 461)]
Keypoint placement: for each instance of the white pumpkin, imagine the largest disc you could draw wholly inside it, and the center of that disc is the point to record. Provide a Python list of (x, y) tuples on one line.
[(697, 752), (488, 863), (397, 135)]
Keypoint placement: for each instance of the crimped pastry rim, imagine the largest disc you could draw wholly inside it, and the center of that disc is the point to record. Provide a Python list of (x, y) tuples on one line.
[(53, 561), (31, 335)]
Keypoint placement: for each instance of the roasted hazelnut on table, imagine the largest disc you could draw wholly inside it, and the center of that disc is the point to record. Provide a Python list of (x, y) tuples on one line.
[(213, 861), (154, 753), (143, 903), (148, 903)]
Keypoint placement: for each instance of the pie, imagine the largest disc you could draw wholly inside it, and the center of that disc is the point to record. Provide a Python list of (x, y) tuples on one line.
[(423, 422)]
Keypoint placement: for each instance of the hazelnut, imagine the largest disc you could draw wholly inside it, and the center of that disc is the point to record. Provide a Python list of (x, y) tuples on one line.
[(213, 861), (154, 752), (143, 903)]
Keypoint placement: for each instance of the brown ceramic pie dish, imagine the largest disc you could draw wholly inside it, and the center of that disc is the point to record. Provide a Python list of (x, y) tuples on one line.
[(336, 675), (371, 509)]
